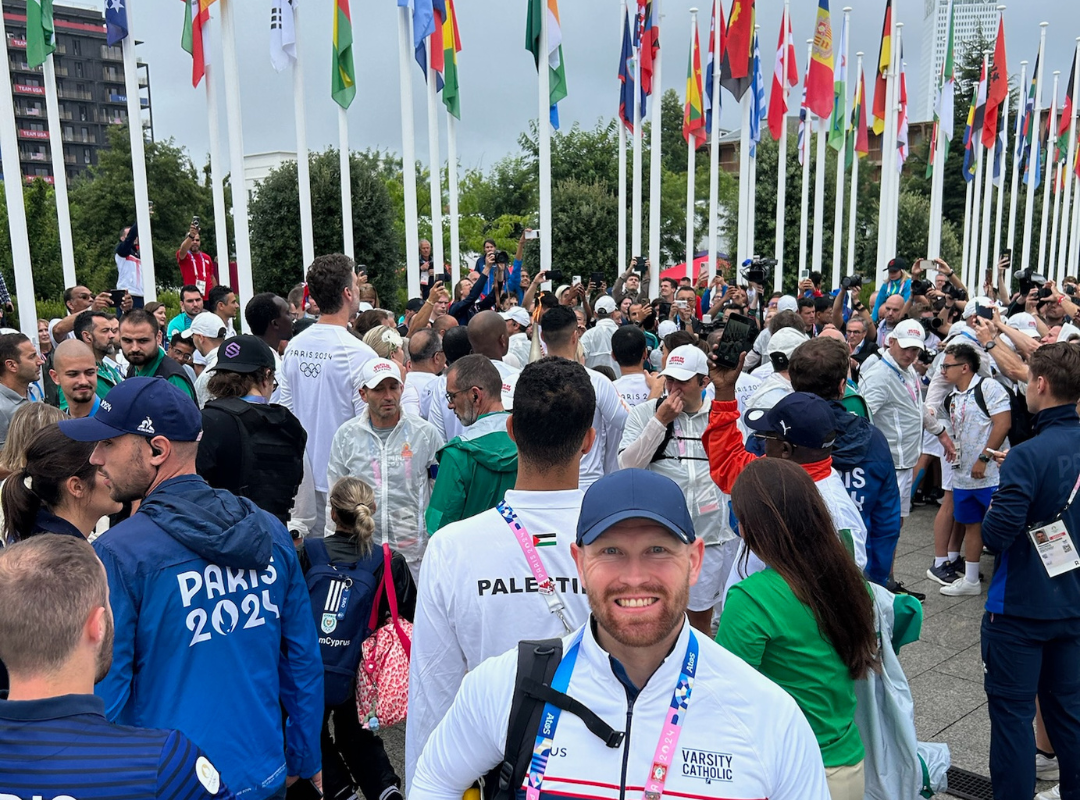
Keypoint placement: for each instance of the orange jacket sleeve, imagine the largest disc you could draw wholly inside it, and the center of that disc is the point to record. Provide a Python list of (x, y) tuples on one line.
[(724, 445)]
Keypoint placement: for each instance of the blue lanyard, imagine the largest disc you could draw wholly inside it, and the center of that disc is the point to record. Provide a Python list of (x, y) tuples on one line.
[(903, 380), (549, 722)]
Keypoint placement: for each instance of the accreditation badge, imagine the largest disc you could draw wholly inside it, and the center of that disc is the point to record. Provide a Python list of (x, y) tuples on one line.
[(1055, 547)]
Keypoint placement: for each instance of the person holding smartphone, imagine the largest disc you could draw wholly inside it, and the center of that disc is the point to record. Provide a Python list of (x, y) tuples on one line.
[(196, 267)]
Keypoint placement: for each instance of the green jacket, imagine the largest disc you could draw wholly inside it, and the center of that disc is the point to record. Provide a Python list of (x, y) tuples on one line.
[(475, 470), (164, 367)]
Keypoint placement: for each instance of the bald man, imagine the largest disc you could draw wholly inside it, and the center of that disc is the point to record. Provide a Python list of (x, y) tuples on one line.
[(74, 370), (488, 337), (444, 323), (892, 312)]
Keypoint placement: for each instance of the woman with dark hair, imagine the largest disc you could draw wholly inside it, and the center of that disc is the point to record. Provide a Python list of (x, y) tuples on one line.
[(161, 314), (58, 491), (807, 621)]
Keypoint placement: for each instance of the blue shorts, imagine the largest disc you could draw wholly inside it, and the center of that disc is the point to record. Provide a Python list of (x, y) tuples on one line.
[(970, 505)]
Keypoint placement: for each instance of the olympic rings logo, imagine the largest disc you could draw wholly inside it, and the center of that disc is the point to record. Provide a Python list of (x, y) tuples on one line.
[(310, 370)]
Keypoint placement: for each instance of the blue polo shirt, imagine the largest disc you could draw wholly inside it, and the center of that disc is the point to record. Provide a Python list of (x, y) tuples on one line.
[(64, 746)]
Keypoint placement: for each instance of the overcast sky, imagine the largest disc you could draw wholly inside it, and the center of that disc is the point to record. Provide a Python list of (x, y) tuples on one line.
[(498, 80)]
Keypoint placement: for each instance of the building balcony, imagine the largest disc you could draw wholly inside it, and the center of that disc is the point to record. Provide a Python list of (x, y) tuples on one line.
[(73, 138), (26, 133), (22, 66), (16, 42), (25, 88), (71, 94), (28, 112), (25, 155), (110, 53)]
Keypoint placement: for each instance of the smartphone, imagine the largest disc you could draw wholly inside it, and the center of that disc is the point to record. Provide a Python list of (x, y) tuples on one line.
[(195, 223), (532, 234), (737, 338), (925, 264), (597, 278), (681, 304), (117, 296), (986, 312), (444, 277), (804, 274), (640, 260), (997, 453)]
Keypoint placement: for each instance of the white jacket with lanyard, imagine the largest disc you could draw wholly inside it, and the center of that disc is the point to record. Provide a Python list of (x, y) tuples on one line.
[(894, 397), (730, 733), (397, 470)]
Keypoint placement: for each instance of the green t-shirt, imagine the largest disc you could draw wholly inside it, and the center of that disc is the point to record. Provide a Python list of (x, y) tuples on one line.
[(769, 628)]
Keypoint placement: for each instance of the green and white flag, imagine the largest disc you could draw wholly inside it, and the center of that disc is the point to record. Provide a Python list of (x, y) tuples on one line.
[(40, 37)]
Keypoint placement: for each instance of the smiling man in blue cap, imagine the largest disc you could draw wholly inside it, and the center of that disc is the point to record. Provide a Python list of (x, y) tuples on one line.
[(214, 629)]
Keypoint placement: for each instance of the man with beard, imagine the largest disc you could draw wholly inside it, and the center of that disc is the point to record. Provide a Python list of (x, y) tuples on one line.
[(75, 372), (479, 465), (20, 365), (100, 331), (709, 725), (51, 717), (214, 629), (138, 341)]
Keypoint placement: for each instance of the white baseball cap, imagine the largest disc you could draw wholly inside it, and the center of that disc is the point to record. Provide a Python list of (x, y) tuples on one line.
[(1025, 323), (665, 327), (984, 302), (787, 303), (378, 370), (684, 362), (605, 304), (207, 323), (518, 315), (908, 333), (1067, 332), (365, 306), (785, 341)]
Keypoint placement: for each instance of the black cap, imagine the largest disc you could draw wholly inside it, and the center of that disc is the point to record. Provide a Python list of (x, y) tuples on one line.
[(415, 304), (896, 265), (244, 354)]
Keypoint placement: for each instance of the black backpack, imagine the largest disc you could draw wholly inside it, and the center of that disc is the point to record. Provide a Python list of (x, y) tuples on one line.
[(537, 662), (1019, 425), (341, 598)]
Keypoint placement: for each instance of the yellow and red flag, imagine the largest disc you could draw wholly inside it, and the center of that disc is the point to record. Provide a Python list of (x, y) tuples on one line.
[(694, 110), (819, 75)]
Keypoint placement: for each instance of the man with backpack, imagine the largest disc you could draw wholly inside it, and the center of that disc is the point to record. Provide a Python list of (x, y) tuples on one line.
[(251, 447), (694, 720)]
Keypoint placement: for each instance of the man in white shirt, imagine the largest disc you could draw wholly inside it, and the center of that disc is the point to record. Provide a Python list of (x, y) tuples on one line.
[(559, 330), (426, 362), (322, 367), (636, 664), (455, 343), (518, 322), (477, 596), (488, 337), (597, 342), (630, 351), (206, 332)]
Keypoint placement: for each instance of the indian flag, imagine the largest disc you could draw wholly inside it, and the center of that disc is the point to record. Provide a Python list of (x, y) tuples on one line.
[(343, 81), (557, 90)]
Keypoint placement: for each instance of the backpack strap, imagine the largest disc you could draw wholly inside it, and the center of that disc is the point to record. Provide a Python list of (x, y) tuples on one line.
[(316, 552), (980, 398)]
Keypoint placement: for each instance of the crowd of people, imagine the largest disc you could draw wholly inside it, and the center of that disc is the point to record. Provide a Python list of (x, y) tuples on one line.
[(611, 557)]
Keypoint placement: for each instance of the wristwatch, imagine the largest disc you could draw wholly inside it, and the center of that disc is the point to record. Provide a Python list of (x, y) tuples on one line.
[(990, 345), (984, 458)]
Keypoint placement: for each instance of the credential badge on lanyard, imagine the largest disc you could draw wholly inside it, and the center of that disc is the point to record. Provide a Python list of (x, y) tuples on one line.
[(1054, 544), (544, 584)]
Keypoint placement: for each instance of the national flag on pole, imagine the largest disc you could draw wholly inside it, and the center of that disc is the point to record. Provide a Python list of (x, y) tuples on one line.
[(803, 145), (40, 36), (969, 141), (451, 43), (902, 119), (944, 105), (693, 125), (1067, 110), (859, 140), (838, 121), (778, 101), (553, 56), (737, 57), (343, 82), (997, 88), (282, 34), (116, 26), (980, 102), (1023, 141), (713, 61), (438, 51), (819, 74), (758, 110), (423, 25), (999, 156), (193, 39), (648, 41), (626, 77), (884, 60)]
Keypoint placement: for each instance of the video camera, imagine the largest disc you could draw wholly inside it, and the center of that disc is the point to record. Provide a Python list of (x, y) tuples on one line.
[(755, 269), (852, 282), (1028, 279)]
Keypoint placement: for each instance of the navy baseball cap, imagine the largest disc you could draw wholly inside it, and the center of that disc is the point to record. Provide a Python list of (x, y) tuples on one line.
[(143, 406), (803, 419), (634, 494)]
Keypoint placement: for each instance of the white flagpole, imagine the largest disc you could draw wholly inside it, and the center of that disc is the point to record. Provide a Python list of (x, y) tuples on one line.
[(804, 201), (438, 259), (246, 289), (452, 185), (971, 269), (1070, 163), (714, 144), (691, 166), (966, 243), (345, 173), (635, 213), (544, 133), (985, 261), (1054, 219), (781, 161), (56, 149), (937, 185), (819, 196), (838, 214), (1033, 154), (1074, 238), (408, 151), (16, 211), (217, 170), (742, 241), (655, 140), (1048, 177), (1003, 125), (853, 204), (303, 171), (1013, 190), (622, 259), (888, 146), (894, 153)]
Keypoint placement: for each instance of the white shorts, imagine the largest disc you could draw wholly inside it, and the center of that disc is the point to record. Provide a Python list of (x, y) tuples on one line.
[(947, 473), (931, 445), (904, 479), (715, 567)]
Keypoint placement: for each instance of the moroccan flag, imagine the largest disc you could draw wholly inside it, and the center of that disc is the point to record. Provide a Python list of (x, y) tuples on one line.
[(737, 55), (195, 16), (626, 77), (343, 79), (884, 60), (712, 63), (838, 121), (997, 88), (451, 43), (40, 38), (694, 110), (553, 56), (778, 105), (859, 141), (819, 75), (648, 41)]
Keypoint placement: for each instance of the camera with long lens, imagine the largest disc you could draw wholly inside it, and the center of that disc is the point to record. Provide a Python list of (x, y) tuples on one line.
[(921, 287), (1028, 279), (955, 293), (928, 355), (502, 258), (852, 282), (755, 269)]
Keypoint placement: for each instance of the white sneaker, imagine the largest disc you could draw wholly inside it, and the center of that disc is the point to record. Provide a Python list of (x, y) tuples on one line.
[(962, 587), (1050, 794), (1046, 769)]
